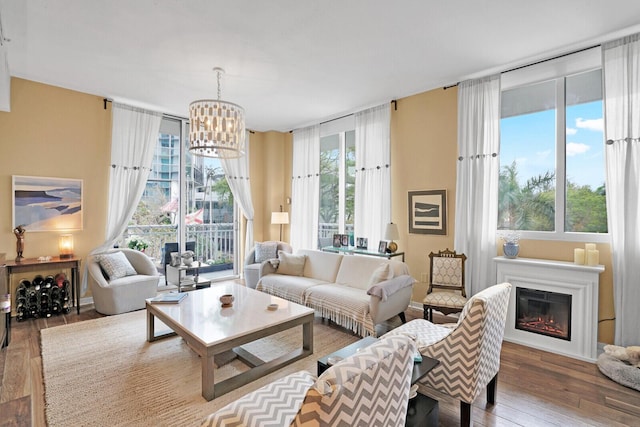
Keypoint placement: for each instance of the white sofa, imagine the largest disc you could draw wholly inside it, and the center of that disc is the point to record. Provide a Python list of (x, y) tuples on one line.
[(339, 288)]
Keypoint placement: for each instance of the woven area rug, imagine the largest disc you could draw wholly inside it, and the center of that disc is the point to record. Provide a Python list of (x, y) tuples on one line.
[(103, 372)]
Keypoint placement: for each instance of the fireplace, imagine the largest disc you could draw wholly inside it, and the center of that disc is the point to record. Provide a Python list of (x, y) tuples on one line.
[(553, 305), (542, 312)]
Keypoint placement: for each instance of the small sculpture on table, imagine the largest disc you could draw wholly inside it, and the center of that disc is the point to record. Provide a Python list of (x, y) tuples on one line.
[(19, 232)]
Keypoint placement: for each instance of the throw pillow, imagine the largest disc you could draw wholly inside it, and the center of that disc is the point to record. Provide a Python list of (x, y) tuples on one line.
[(116, 265), (266, 251), (380, 274), (291, 265)]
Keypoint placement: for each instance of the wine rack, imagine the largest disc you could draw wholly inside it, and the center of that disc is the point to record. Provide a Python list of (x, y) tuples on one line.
[(42, 297)]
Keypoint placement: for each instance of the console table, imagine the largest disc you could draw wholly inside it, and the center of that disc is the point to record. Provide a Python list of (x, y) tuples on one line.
[(32, 264), (355, 251)]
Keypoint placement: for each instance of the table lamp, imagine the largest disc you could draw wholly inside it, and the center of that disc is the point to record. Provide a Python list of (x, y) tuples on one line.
[(391, 234)]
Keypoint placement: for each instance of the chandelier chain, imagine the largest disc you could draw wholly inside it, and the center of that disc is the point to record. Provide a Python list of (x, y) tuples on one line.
[(218, 85)]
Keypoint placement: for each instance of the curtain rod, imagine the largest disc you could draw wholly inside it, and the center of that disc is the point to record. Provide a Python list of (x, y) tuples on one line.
[(393, 101), (536, 63)]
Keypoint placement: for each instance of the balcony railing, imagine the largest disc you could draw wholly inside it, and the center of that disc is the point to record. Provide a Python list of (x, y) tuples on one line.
[(214, 242)]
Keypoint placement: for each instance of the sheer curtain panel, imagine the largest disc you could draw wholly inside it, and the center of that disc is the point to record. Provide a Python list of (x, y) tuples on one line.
[(621, 70), (373, 178), (305, 188), (237, 174), (477, 179), (134, 135)]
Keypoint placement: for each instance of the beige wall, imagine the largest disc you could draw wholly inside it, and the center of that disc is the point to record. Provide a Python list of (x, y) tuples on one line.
[(270, 181), (55, 132), (423, 157)]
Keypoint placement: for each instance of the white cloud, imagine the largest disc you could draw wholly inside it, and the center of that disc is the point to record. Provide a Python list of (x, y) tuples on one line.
[(574, 148), (590, 124), (571, 131), (543, 154)]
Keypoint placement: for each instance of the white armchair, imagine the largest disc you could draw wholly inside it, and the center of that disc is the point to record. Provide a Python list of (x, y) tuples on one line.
[(252, 270), (122, 294)]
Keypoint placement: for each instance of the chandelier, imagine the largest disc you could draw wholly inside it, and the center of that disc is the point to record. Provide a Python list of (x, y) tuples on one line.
[(216, 127)]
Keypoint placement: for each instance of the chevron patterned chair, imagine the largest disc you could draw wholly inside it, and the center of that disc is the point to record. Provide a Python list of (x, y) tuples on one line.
[(468, 351), (370, 388)]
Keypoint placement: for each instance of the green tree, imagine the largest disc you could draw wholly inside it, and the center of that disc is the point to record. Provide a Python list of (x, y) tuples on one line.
[(532, 206)]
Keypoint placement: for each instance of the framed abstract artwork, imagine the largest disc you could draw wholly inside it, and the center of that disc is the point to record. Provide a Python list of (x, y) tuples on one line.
[(47, 204), (428, 212)]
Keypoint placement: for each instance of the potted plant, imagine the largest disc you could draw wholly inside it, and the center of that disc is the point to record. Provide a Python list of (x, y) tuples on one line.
[(138, 244)]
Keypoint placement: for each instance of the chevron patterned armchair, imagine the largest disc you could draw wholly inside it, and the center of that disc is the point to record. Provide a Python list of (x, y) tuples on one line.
[(370, 388), (469, 351)]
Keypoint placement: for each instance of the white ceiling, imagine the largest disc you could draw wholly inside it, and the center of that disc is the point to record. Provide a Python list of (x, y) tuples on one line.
[(292, 63)]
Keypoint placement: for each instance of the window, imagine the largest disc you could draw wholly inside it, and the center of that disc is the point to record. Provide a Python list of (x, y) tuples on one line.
[(337, 185), (552, 176)]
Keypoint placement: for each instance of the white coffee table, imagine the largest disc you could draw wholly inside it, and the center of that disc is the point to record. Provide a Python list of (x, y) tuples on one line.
[(210, 329)]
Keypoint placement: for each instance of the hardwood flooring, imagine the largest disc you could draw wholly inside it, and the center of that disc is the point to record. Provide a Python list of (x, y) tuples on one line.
[(535, 388)]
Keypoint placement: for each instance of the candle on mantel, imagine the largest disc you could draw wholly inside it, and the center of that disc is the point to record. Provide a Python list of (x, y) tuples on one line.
[(593, 257), (589, 247), (578, 256)]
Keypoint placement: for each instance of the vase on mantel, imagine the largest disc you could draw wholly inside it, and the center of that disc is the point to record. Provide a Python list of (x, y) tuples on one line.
[(511, 249)]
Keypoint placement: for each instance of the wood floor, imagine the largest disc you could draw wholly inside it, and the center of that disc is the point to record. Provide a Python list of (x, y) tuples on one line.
[(535, 388)]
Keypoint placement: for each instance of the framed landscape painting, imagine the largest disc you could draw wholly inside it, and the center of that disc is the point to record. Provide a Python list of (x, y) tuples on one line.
[(428, 212), (47, 204)]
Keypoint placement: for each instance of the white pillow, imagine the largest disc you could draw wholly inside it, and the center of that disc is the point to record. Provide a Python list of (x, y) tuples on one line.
[(380, 274), (116, 265), (292, 265), (266, 251)]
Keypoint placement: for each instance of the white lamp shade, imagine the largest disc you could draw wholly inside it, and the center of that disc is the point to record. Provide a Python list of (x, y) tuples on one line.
[(279, 217), (391, 233)]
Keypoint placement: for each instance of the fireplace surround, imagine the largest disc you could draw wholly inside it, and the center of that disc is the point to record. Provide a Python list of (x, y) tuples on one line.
[(553, 283)]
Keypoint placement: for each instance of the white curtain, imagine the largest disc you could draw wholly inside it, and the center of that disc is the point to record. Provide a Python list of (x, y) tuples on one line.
[(477, 179), (621, 69), (237, 174), (305, 188), (373, 178), (134, 135)]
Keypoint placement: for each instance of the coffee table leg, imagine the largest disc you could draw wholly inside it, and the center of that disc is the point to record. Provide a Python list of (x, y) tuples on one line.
[(208, 378), (307, 336), (150, 326)]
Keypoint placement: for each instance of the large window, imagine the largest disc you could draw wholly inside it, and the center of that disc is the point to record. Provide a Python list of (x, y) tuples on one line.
[(337, 185), (552, 157), (187, 198)]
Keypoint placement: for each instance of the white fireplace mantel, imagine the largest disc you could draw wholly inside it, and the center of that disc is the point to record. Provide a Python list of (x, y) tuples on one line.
[(579, 281)]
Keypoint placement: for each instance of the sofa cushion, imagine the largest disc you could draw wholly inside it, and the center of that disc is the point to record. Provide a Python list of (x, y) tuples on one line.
[(291, 288), (356, 270), (321, 265), (265, 251), (347, 306), (116, 265), (291, 265), (380, 274)]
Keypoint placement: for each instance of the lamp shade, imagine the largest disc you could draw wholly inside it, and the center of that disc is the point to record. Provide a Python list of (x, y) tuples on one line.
[(65, 245), (391, 232), (279, 217)]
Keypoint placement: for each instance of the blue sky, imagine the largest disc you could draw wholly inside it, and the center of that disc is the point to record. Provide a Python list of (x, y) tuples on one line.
[(530, 140)]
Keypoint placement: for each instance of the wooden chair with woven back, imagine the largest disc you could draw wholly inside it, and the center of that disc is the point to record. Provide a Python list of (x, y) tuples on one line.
[(446, 292)]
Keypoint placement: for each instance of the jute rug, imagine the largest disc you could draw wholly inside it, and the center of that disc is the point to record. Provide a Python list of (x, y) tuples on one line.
[(103, 372)]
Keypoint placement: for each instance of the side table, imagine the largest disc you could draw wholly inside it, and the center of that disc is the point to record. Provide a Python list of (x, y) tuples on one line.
[(187, 283), (422, 410)]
